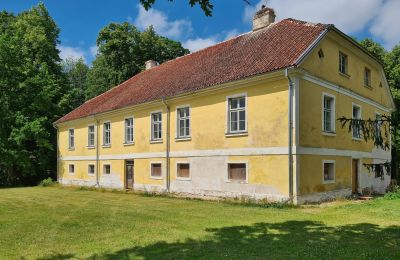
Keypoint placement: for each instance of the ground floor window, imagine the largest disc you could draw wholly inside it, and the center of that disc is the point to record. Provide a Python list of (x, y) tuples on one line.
[(156, 170), (91, 169), (183, 170), (71, 168), (237, 172), (107, 169), (328, 171)]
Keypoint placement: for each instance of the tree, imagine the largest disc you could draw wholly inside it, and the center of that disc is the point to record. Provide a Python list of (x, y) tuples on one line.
[(375, 49), (31, 83), (123, 51), (205, 5)]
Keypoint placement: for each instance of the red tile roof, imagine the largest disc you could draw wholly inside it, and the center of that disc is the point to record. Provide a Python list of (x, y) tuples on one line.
[(275, 47)]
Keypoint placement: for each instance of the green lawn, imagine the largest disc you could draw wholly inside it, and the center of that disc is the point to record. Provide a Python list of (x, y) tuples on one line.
[(64, 223)]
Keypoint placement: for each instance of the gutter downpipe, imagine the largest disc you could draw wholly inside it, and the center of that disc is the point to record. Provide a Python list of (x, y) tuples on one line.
[(290, 133), (168, 178), (97, 152), (58, 155)]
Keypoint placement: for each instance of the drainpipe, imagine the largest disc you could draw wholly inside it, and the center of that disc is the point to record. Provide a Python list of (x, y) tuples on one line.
[(58, 154), (290, 138), (97, 152), (168, 178)]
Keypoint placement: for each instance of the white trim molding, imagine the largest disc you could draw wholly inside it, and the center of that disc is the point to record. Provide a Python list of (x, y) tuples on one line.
[(183, 178), (151, 170), (245, 162), (333, 114), (228, 131)]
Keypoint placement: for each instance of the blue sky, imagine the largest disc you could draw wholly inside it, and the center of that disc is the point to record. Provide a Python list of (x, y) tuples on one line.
[(81, 20)]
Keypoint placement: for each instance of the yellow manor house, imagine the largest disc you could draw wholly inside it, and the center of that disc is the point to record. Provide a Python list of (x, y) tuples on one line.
[(253, 116)]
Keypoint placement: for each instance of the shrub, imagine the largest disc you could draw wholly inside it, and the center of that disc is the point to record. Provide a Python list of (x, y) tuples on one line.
[(47, 182), (394, 194)]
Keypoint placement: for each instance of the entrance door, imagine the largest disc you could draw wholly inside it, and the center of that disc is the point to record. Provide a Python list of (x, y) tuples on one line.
[(129, 174), (354, 176)]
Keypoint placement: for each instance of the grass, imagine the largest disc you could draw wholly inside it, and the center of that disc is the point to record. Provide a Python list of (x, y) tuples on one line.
[(64, 223)]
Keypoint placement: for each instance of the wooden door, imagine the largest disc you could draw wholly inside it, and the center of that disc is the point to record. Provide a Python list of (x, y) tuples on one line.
[(129, 174), (354, 176)]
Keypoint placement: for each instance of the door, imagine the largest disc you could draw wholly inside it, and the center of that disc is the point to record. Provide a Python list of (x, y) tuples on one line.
[(129, 174), (354, 176)]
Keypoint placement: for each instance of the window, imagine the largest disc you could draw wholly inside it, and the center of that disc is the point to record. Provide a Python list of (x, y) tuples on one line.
[(237, 172), (91, 135), (183, 122), (356, 128), (328, 171), (156, 170), (237, 114), (71, 138), (183, 171), (91, 169), (129, 130), (107, 133), (71, 168), (107, 169), (328, 114), (367, 77), (343, 60), (378, 124), (156, 126)]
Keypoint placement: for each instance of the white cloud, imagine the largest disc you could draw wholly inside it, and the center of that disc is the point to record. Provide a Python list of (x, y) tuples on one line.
[(380, 17), (93, 50), (386, 25), (161, 23), (231, 34), (71, 52), (199, 43)]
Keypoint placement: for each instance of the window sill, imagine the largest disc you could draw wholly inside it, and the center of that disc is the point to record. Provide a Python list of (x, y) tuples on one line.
[(158, 141), (238, 182), (356, 139), (182, 139), (344, 75), (328, 182), (91, 174), (91, 147), (183, 179), (71, 149), (329, 133), (156, 178), (106, 146), (71, 173), (368, 87), (236, 134), (129, 144)]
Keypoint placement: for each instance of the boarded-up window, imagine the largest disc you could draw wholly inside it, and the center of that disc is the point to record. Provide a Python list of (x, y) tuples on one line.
[(183, 170), (237, 172), (156, 170)]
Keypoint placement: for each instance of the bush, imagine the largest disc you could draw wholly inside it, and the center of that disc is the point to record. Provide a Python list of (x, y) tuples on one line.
[(394, 194), (47, 182)]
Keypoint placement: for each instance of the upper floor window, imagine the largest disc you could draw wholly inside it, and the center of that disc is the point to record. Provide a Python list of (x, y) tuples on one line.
[(356, 129), (237, 114), (71, 138), (129, 130), (183, 122), (367, 77), (156, 126), (328, 122), (343, 63), (91, 135), (107, 133)]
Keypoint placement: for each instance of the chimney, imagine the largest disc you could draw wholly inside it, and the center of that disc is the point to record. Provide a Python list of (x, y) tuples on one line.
[(263, 18), (151, 64)]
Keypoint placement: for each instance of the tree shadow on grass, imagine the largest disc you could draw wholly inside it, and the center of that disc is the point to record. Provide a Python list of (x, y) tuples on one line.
[(291, 239)]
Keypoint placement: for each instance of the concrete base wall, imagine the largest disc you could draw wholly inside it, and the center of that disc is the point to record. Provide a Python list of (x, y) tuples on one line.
[(322, 196)]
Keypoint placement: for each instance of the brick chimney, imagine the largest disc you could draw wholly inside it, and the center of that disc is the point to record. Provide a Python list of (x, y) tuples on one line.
[(263, 18), (151, 64)]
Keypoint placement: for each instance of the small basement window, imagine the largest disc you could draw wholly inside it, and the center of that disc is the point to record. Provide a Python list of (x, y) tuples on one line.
[(183, 171), (107, 169), (91, 169), (237, 172), (71, 168), (156, 170), (329, 171)]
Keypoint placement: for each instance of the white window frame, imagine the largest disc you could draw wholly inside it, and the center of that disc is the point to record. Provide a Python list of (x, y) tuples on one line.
[(94, 169), (152, 139), (228, 130), (151, 170), (94, 136), (178, 118), (237, 162), (71, 144), (190, 172), (333, 114), (323, 173), (126, 128), (104, 169), (104, 134), (353, 105), (69, 169)]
